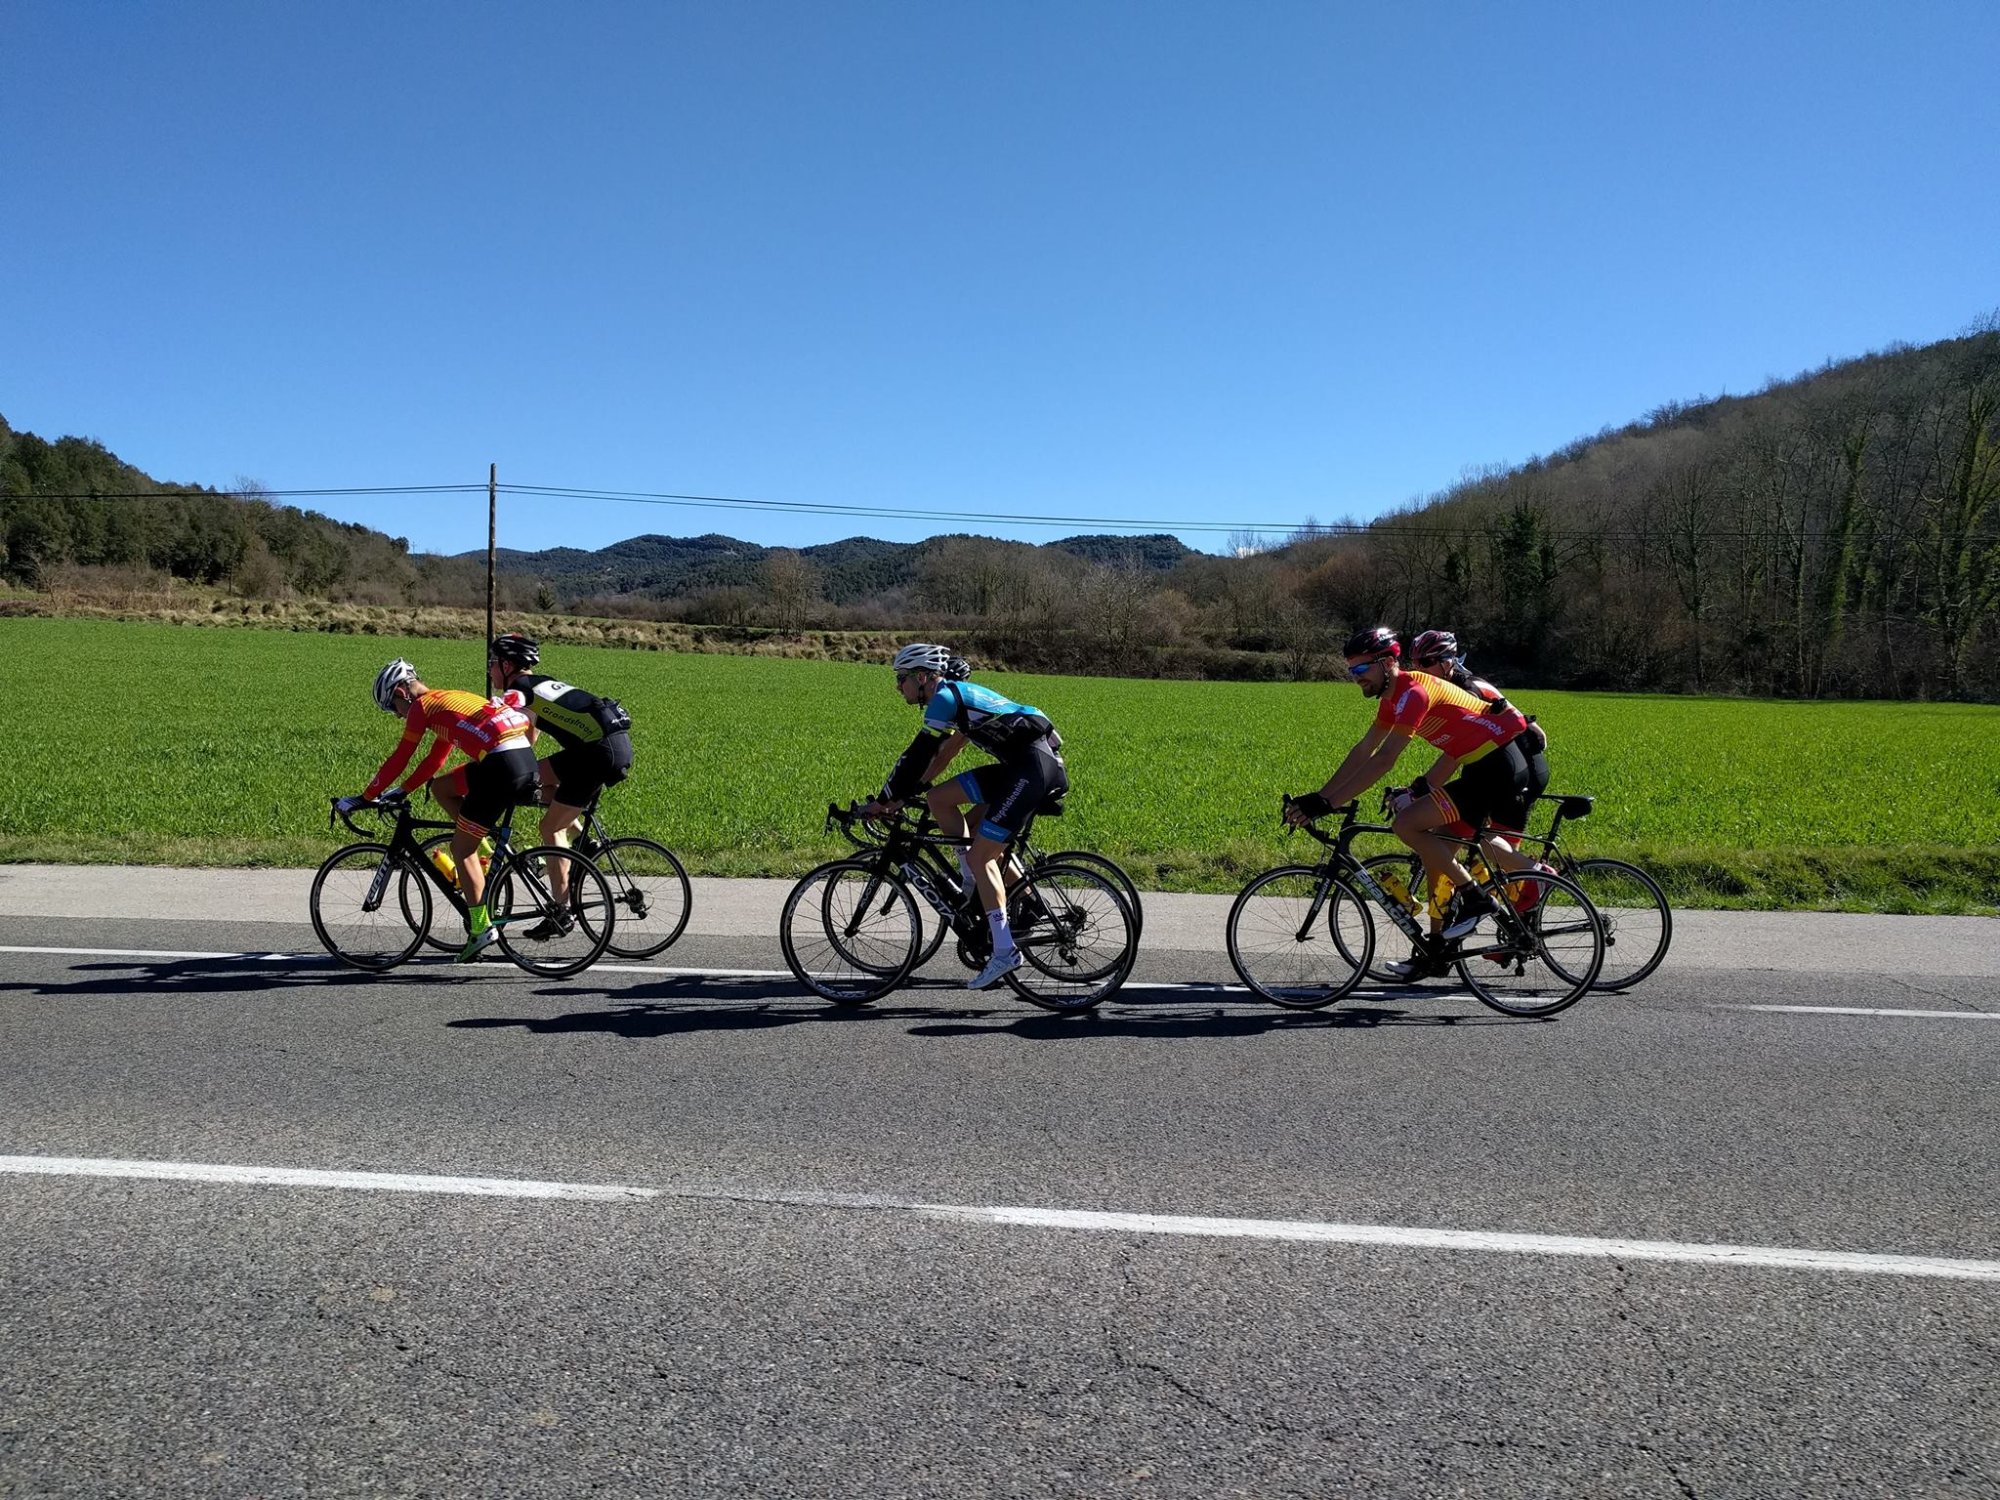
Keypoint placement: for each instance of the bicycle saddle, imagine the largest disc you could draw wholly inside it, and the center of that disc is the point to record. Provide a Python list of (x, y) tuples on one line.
[(1575, 807)]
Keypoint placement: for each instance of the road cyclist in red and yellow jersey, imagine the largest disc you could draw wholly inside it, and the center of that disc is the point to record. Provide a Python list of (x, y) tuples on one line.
[(499, 774), (1480, 772)]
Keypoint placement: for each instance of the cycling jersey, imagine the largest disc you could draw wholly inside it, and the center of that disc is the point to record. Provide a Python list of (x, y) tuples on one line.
[(1010, 732), (1445, 715), (462, 720), (999, 726), (1495, 701), (572, 715)]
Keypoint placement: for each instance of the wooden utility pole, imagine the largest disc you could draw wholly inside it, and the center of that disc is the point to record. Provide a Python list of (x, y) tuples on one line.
[(492, 543)]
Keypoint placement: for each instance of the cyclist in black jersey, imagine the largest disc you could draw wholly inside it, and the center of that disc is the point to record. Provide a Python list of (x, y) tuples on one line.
[(592, 732)]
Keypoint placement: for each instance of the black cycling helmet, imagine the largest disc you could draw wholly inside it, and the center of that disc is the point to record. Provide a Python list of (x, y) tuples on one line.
[(519, 650), (1376, 640)]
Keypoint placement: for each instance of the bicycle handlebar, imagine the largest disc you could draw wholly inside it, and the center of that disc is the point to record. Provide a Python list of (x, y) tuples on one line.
[(386, 803), (1347, 813)]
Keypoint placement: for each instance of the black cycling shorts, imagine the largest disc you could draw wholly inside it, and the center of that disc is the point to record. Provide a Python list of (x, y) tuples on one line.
[(1493, 788), (582, 771), (498, 780), (1013, 791)]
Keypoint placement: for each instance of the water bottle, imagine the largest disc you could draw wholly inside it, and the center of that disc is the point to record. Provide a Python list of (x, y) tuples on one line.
[(442, 861)]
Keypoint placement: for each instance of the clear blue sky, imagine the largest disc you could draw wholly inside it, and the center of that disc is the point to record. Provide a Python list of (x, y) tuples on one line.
[(1184, 261)]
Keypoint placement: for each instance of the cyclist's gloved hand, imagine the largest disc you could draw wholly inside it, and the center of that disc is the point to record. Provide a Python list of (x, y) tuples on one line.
[(1310, 805), (346, 805), (394, 794)]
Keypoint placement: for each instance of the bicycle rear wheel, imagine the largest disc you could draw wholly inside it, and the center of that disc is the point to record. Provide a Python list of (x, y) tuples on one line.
[(1113, 873), (1537, 962), (849, 933), (1076, 937), (1300, 937), (650, 891), (357, 907), (1638, 923), (543, 935)]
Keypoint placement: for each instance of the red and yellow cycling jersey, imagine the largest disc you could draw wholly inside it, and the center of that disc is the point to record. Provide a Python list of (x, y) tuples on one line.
[(1447, 716), (464, 720)]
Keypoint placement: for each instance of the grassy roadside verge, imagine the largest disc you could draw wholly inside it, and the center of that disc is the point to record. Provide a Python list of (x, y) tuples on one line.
[(155, 744)]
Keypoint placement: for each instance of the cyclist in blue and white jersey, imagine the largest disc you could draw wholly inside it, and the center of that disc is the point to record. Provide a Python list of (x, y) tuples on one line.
[(1028, 771)]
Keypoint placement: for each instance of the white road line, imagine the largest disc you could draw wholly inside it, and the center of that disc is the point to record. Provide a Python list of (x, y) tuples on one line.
[(423, 963), (1765, 1257), (1857, 1010), (391, 1182)]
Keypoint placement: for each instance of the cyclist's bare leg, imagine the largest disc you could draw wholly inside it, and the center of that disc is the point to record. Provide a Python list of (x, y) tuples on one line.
[(985, 859), (556, 821), (1417, 825), (471, 868)]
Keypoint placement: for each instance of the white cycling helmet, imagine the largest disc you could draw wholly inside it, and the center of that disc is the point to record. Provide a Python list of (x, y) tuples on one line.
[(398, 673), (923, 658)]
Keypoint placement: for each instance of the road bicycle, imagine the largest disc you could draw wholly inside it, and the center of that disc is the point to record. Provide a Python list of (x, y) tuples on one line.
[(864, 833), (852, 929), (1303, 936), (372, 901), (649, 885), (1638, 922)]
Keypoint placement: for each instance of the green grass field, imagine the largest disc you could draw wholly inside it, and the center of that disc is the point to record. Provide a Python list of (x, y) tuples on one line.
[(157, 744)]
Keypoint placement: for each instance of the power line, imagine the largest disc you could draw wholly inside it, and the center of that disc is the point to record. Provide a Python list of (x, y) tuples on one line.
[(1444, 531)]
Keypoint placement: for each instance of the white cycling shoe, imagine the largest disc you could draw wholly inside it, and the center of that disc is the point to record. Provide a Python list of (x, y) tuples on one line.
[(998, 967)]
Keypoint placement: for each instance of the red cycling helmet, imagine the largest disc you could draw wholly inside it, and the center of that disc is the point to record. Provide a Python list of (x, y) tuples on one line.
[(1435, 646)]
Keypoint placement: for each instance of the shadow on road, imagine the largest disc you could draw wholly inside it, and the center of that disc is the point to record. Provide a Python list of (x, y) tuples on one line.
[(691, 1004), (217, 976)]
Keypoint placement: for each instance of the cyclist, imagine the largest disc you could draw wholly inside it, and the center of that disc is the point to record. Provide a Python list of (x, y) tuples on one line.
[(596, 748), (499, 773), (1479, 771), (1028, 771)]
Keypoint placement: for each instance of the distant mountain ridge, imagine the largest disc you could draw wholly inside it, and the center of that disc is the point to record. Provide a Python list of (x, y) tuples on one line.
[(851, 570)]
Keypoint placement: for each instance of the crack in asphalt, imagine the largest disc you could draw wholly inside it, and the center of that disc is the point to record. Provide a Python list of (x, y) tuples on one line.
[(1918, 989), (1621, 1286), (1123, 1359)]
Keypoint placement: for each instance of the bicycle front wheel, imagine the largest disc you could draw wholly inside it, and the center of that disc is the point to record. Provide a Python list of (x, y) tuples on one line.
[(1076, 935), (1638, 923), (850, 932), (358, 903), (650, 891), (552, 937), (1300, 937), (1538, 961)]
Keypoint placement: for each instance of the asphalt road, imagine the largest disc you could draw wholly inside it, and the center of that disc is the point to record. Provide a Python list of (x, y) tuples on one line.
[(817, 1303)]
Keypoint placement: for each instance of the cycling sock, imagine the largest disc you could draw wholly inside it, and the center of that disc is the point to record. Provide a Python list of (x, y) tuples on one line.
[(477, 919), (1003, 935)]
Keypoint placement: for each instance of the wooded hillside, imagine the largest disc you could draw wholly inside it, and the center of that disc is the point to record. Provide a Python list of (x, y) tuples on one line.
[(1837, 534)]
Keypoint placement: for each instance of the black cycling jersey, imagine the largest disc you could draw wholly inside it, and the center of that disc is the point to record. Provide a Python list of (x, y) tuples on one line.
[(572, 715)]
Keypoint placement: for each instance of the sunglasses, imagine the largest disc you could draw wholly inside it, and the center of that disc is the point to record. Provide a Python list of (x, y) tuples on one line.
[(1363, 669)]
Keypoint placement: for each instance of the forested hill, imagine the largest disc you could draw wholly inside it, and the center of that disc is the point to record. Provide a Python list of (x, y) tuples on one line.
[(854, 571), (1837, 534), (1834, 534)]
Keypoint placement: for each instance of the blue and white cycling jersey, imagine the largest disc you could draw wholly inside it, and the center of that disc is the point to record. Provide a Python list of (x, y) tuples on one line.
[(998, 725)]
